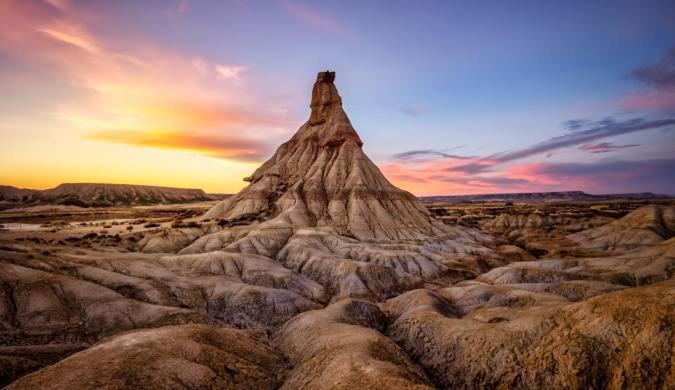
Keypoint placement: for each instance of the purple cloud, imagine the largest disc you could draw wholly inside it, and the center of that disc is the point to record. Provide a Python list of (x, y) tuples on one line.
[(612, 176), (605, 147), (427, 153), (413, 111), (659, 75)]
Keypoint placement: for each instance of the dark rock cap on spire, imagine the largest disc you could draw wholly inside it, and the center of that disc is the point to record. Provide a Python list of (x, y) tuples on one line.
[(326, 76), (325, 96)]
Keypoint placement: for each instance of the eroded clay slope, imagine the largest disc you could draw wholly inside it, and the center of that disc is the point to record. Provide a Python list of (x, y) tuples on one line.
[(172, 357), (617, 340), (647, 225)]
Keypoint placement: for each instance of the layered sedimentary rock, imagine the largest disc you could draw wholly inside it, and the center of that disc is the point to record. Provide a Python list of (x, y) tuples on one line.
[(322, 177), (320, 207)]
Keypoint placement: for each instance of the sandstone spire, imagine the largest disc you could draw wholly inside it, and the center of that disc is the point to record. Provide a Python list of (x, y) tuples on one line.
[(321, 208), (322, 177)]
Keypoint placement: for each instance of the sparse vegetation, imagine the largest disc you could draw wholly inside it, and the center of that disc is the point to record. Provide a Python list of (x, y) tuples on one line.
[(182, 224)]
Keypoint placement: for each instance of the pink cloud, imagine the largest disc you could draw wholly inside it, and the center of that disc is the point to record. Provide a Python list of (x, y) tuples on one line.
[(110, 85), (313, 17), (442, 177), (605, 147), (661, 100), (231, 72)]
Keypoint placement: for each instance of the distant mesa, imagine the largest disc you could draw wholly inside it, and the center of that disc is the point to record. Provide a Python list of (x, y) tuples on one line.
[(539, 197), (101, 195)]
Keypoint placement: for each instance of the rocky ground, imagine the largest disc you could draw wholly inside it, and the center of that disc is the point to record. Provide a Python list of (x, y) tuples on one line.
[(578, 296), (322, 274)]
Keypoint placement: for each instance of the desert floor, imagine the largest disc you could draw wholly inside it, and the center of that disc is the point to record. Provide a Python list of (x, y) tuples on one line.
[(555, 289)]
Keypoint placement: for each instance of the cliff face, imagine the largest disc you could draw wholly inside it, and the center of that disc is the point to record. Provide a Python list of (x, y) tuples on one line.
[(322, 177)]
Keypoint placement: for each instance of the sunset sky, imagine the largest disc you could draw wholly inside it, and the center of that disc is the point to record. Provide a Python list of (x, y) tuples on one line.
[(449, 97)]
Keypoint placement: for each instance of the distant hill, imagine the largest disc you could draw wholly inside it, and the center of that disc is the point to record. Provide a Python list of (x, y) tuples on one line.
[(102, 195), (538, 197), (13, 194)]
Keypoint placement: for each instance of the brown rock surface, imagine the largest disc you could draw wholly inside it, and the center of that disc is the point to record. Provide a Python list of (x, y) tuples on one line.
[(346, 351), (187, 356), (647, 225), (322, 177), (618, 340)]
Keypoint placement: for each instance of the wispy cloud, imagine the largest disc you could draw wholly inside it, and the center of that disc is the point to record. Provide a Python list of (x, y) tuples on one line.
[(59, 4), (313, 17), (590, 132), (211, 145), (113, 85), (437, 172), (605, 147), (596, 177), (604, 176), (413, 111), (180, 6), (659, 75), (658, 81), (428, 153), (231, 72)]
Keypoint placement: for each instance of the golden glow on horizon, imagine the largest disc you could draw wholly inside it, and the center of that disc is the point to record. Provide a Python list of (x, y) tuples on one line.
[(123, 115)]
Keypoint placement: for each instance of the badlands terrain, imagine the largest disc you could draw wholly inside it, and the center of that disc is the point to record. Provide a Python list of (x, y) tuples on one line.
[(322, 274)]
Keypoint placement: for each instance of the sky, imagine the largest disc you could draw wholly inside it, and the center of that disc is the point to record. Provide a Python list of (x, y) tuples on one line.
[(449, 97)]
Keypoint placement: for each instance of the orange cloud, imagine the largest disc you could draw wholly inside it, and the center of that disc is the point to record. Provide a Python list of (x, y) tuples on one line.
[(77, 85), (225, 147), (72, 35), (118, 86)]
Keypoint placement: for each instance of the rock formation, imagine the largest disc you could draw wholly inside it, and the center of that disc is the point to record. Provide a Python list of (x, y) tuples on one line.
[(323, 209), (322, 178), (617, 340)]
